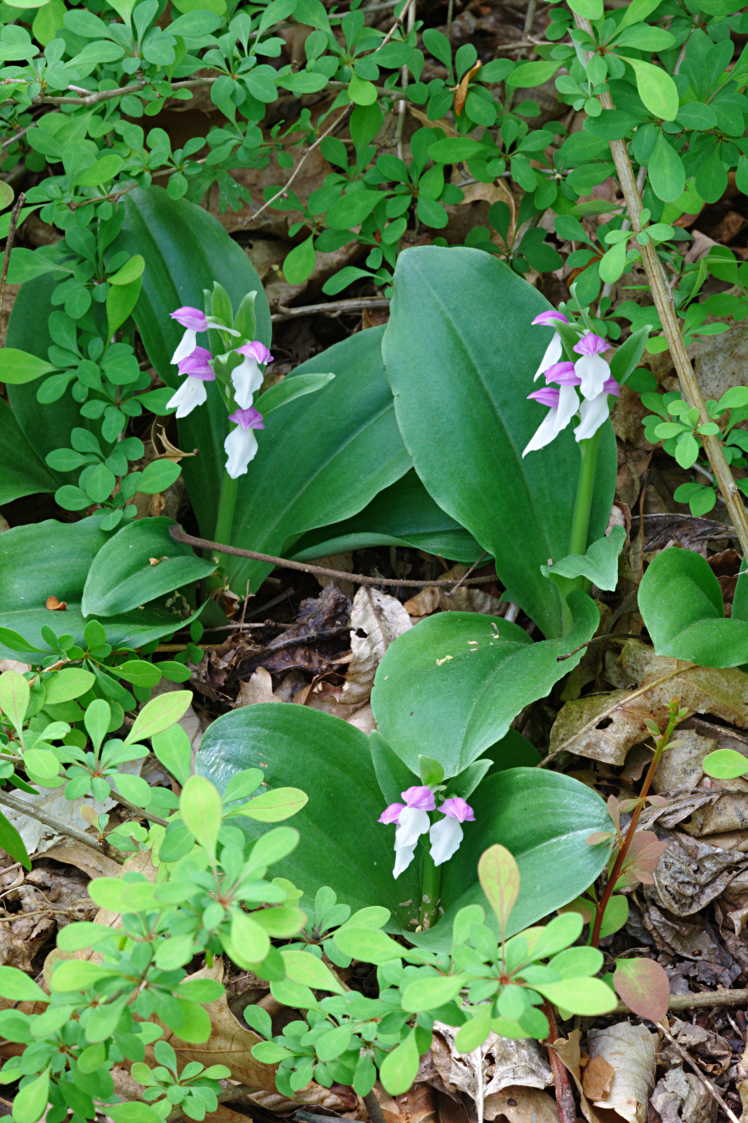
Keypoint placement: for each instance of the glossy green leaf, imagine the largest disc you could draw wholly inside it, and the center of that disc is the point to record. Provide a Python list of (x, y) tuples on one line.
[(21, 470), (138, 564), (465, 417), (680, 600), (656, 88), (404, 514), (12, 843), (725, 764), (453, 684), (62, 553), (599, 565), (21, 366)]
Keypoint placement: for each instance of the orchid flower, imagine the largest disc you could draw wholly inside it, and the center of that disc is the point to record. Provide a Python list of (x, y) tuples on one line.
[(554, 350), (594, 411), (196, 366), (193, 320), (445, 835), (247, 377), (563, 404), (240, 445), (413, 821), (592, 369)]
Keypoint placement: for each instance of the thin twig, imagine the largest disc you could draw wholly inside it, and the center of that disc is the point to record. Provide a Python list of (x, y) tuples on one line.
[(567, 1109), (702, 1079), (49, 821), (402, 105), (180, 535), (331, 308), (16, 136), (703, 1001), (663, 301), (9, 243)]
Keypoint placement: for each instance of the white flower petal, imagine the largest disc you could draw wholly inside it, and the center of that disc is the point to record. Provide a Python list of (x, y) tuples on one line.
[(240, 447), (190, 394), (186, 346), (403, 858), (247, 379), (593, 371), (445, 838), (553, 353), (592, 415), (557, 418), (410, 826)]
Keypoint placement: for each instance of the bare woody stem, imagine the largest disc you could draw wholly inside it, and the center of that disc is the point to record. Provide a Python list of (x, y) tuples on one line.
[(675, 716), (663, 302)]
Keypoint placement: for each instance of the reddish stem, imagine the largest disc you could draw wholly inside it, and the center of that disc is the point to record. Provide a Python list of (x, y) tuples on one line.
[(567, 1108)]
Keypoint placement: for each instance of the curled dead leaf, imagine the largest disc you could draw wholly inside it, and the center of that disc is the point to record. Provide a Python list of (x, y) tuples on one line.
[(54, 604)]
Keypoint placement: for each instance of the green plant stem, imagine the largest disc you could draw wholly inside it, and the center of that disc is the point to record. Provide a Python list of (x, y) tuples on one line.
[(580, 522), (431, 885), (675, 716), (226, 508), (663, 302)]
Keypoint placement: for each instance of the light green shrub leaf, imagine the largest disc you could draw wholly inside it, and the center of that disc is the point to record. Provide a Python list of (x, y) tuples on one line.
[(499, 878), (159, 714), (430, 993), (17, 986), (400, 1067), (656, 88), (18, 367), (201, 808), (303, 967), (275, 806)]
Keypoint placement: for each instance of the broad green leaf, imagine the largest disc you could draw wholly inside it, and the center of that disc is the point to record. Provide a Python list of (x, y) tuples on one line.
[(12, 843), (680, 600), (248, 943), (430, 993), (589, 9), (290, 389), (274, 845), (299, 263), (201, 808), (14, 697), (129, 272), (579, 996), (275, 806), (173, 749), (31, 1101), (725, 764), (404, 514), (159, 714), (498, 874), (122, 894), (138, 564), (667, 175), (65, 684), (637, 11), (599, 565), (532, 73), (21, 470), (400, 1067), (456, 681), (303, 967), (656, 88), (465, 416), (78, 974), (62, 553), (644, 986), (17, 986), (368, 945), (18, 367), (612, 264)]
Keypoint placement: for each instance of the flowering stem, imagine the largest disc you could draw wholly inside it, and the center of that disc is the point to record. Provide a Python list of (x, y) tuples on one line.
[(226, 507), (580, 523), (431, 883)]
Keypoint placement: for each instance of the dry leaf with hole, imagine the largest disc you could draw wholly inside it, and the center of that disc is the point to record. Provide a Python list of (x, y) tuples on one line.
[(376, 620), (521, 1105), (629, 1052), (605, 726)]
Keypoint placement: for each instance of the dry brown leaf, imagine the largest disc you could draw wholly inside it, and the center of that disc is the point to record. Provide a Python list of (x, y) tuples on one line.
[(85, 858), (259, 688), (691, 873), (569, 1052), (376, 620), (681, 1098), (604, 727), (629, 1051), (417, 1105), (521, 1105), (464, 598), (598, 1078)]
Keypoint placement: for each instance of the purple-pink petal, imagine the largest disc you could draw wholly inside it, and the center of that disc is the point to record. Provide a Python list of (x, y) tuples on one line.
[(192, 318), (591, 344), (419, 796), (610, 386), (562, 374), (457, 808), (247, 418), (548, 396), (197, 364), (391, 813), (256, 350), (547, 318)]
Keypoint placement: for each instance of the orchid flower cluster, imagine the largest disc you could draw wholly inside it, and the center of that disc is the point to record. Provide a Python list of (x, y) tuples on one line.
[(198, 366), (413, 820), (590, 373)]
